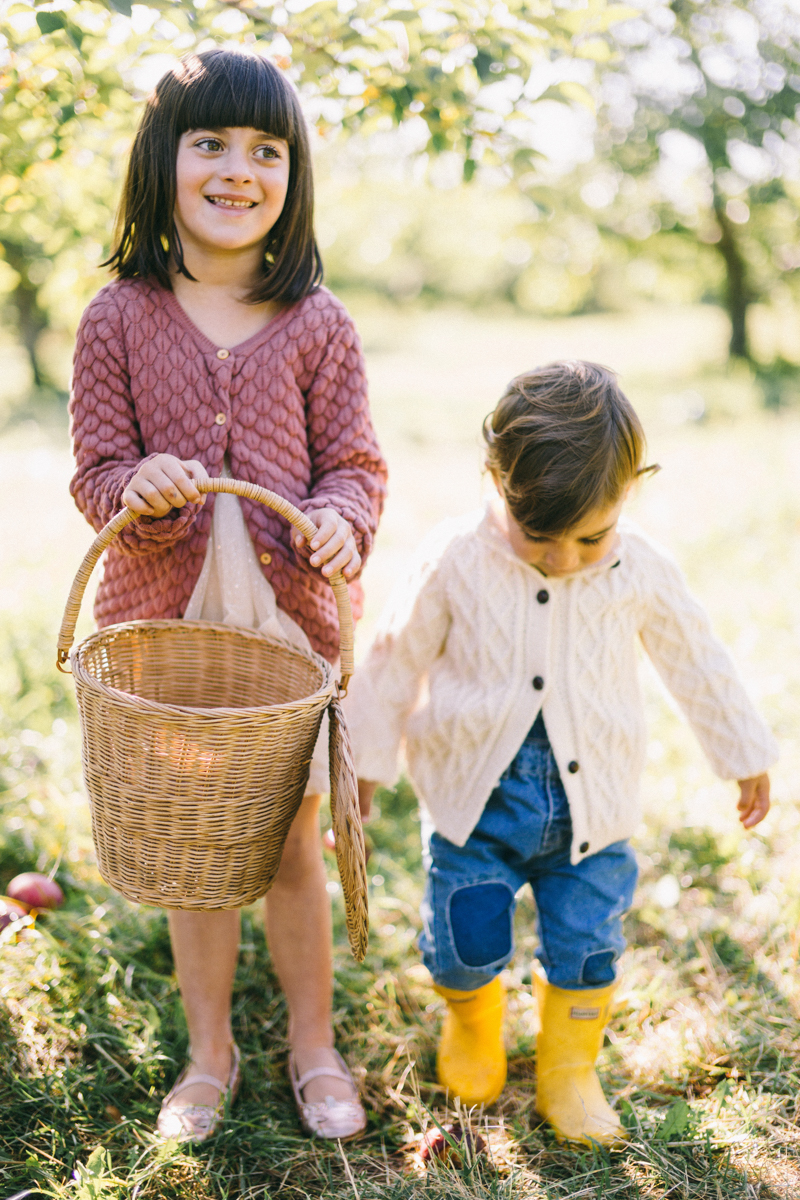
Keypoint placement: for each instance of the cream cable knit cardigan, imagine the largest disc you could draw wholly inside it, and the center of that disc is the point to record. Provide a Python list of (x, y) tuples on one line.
[(495, 641)]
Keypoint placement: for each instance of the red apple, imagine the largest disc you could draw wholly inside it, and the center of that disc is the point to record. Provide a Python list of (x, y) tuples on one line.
[(445, 1145), (37, 891), (329, 843)]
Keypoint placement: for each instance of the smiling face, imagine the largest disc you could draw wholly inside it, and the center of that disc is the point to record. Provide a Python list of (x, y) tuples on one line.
[(562, 554), (231, 187)]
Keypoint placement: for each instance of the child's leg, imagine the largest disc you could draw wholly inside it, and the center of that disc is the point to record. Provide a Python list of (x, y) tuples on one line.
[(580, 911), (205, 947), (468, 917), (467, 939), (298, 917)]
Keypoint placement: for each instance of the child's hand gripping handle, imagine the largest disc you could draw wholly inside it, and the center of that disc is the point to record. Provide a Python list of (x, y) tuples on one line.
[(250, 491)]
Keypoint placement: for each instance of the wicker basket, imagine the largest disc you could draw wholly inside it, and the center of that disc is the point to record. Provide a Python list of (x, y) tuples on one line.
[(197, 742)]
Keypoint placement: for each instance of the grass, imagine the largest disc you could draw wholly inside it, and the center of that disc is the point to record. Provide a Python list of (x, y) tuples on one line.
[(703, 1054)]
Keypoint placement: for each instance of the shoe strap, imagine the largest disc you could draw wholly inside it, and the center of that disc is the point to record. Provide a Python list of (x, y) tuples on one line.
[(318, 1072), (193, 1079)]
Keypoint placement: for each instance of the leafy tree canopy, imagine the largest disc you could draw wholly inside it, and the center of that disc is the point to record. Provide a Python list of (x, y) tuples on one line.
[(701, 107), (687, 112), (455, 74)]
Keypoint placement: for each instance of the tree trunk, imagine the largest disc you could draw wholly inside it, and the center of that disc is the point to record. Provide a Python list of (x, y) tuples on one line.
[(31, 321), (737, 292)]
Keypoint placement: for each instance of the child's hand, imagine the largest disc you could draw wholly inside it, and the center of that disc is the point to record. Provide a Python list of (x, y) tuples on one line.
[(334, 544), (753, 800), (366, 791), (163, 483)]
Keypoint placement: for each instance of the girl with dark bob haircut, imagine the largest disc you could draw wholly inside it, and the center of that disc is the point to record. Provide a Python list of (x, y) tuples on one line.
[(217, 352), (215, 90)]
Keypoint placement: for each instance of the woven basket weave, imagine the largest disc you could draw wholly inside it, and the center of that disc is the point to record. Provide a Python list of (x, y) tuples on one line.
[(197, 743)]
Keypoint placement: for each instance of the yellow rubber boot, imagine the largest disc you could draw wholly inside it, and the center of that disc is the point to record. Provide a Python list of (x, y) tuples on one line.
[(568, 1092), (471, 1060)]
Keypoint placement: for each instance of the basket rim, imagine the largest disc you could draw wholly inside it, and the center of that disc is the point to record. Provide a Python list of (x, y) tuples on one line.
[(119, 696)]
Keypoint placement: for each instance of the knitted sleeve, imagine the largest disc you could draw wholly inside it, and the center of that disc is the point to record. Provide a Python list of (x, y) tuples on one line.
[(348, 471), (106, 439), (700, 674), (386, 688)]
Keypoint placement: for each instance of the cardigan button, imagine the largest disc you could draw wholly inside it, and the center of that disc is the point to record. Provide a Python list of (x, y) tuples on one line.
[(220, 419), (266, 558), (543, 596), (584, 846), (538, 683), (223, 354), (573, 767)]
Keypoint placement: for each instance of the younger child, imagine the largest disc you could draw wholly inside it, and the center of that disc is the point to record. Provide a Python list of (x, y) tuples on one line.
[(526, 745)]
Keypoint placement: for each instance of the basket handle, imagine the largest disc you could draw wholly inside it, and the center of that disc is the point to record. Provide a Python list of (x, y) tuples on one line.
[(251, 491)]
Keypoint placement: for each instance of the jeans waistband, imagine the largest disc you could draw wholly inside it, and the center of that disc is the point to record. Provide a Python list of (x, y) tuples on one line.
[(537, 731)]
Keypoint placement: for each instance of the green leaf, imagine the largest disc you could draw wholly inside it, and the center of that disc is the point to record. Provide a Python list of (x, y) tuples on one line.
[(721, 1093), (49, 22), (95, 1180), (594, 49), (675, 1122), (577, 92), (122, 6), (597, 17)]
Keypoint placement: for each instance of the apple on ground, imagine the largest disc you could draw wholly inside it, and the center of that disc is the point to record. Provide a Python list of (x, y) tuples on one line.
[(36, 891)]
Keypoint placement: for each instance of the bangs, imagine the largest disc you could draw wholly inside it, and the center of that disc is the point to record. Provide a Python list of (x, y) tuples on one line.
[(223, 89), (217, 89)]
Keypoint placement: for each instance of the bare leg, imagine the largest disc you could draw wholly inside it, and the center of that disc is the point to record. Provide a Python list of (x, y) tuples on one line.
[(205, 947), (298, 918)]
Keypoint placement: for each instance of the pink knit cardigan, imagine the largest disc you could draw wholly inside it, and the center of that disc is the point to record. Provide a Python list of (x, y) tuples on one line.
[(288, 406)]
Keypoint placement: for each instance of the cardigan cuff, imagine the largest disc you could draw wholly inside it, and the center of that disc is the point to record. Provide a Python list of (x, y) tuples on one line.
[(146, 532), (355, 519)]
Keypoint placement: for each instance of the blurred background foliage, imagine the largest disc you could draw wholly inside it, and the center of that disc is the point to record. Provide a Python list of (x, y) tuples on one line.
[(561, 157)]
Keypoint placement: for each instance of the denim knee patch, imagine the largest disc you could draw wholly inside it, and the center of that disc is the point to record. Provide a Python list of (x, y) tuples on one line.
[(598, 968), (580, 909), (481, 917)]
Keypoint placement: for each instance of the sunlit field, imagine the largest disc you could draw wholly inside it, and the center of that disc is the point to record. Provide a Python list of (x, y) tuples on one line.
[(703, 1054)]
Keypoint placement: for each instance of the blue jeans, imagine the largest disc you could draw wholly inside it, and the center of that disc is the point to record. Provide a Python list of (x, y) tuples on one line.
[(524, 836)]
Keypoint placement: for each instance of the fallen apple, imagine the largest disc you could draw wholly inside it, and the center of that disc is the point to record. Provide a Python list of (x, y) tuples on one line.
[(445, 1145), (11, 910), (329, 843), (37, 891)]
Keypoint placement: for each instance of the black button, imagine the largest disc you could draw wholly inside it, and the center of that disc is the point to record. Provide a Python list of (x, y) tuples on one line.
[(584, 846), (572, 767), (543, 596), (538, 683)]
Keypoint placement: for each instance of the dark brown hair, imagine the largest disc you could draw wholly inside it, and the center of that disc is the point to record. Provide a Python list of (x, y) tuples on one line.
[(215, 90), (563, 440)]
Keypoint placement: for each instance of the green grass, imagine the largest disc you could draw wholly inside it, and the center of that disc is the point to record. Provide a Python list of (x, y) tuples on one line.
[(92, 1031), (703, 1054)]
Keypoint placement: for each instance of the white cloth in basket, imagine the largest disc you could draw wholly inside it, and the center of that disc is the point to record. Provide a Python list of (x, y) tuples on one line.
[(232, 590)]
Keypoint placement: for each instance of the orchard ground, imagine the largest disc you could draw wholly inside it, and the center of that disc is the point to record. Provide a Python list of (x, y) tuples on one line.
[(703, 1054)]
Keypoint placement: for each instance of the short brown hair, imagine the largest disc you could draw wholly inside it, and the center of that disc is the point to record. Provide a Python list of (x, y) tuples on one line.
[(215, 90), (563, 440)]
